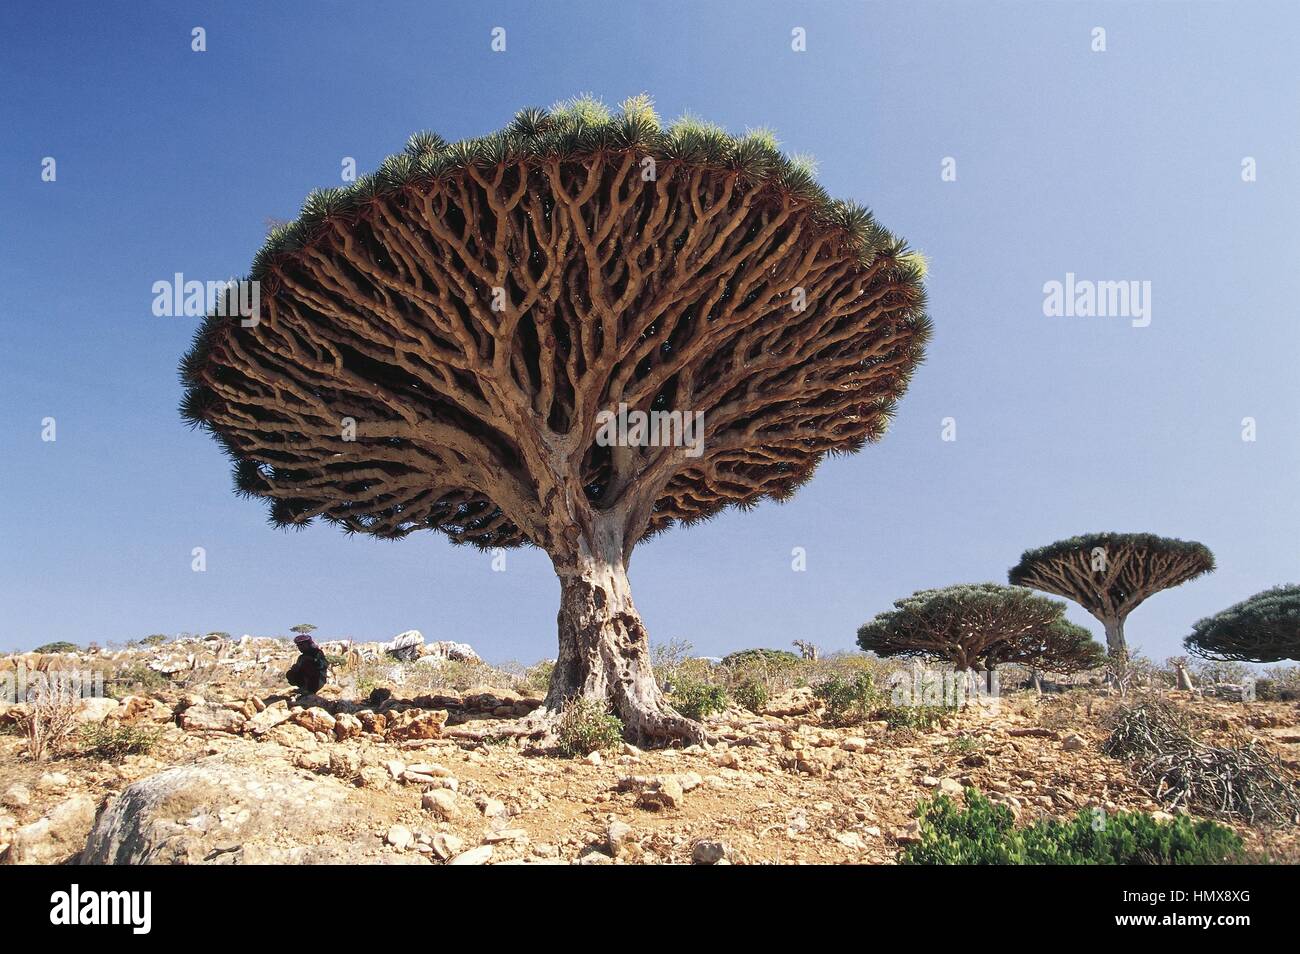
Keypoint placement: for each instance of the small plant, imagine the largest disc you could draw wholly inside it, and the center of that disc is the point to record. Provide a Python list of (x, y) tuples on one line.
[(751, 694), (586, 726), (136, 676), (336, 662), (112, 741), (965, 745), (847, 701), (538, 677), (923, 717), (62, 646), (696, 699), (985, 834), (49, 719)]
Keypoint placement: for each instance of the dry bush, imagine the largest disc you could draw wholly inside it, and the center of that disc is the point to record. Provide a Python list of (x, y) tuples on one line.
[(1153, 725), (50, 718), (1063, 711), (1240, 781)]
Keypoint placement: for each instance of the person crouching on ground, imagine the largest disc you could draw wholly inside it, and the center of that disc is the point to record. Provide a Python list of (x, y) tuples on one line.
[(311, 670)]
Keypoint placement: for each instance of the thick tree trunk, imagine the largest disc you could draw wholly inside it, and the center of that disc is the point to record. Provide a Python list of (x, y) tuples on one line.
[(1114, 636), (604, 649)]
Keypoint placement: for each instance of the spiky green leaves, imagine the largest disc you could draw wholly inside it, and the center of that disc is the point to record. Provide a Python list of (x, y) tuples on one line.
[(1086, 543), (1263, 628), (1111, 574), (586, 125)]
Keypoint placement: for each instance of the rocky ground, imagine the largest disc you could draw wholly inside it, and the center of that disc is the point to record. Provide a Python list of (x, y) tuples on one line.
[(240, 773)]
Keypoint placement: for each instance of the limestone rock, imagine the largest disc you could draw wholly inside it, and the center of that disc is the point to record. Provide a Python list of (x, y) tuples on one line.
[(616, 837), (446, 846), (346, 725), (950, 786), (475, 856), (404, 646), (708, 852), (54, 838), (211, 812), (211, 717), (448, 650), (314, 719), (416, 724), (399, 837), (97, 709), (442, 802)]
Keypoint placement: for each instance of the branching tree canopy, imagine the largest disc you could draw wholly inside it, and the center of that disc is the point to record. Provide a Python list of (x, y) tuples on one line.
[(441, 345), (1263, 628), (980, 626), (1111, 574)]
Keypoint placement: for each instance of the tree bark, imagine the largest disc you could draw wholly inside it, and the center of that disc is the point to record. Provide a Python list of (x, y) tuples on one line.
[(604, 647), (1114, 636)]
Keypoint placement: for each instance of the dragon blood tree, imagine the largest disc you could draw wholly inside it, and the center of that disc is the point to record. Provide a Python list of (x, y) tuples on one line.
[(1111, 574), (442, 346), (1263, 628), (981, 626)]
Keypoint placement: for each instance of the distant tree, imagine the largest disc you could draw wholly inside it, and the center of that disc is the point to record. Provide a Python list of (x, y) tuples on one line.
[(157, 639), (1111, 574), (772, 657), (807, 650), (61, 646), (980, 626), (1263, 628), (303, 629)]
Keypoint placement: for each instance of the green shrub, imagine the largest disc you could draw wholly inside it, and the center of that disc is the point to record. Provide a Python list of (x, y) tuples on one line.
[(136, 676), (696, 699), (539, 676), (914, 717), (964, 745), (587, 725), (769, 657), (985, 834), (847, 701), (751, 694), (63, 646), (157, 639), (335, 662), (112, 741)]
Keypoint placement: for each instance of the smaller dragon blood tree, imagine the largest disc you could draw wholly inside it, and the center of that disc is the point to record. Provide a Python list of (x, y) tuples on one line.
[(1263, 628), (981, 626), (1112, 574)]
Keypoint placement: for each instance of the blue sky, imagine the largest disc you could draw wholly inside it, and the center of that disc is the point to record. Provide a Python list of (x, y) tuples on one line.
[(1115, 165)]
